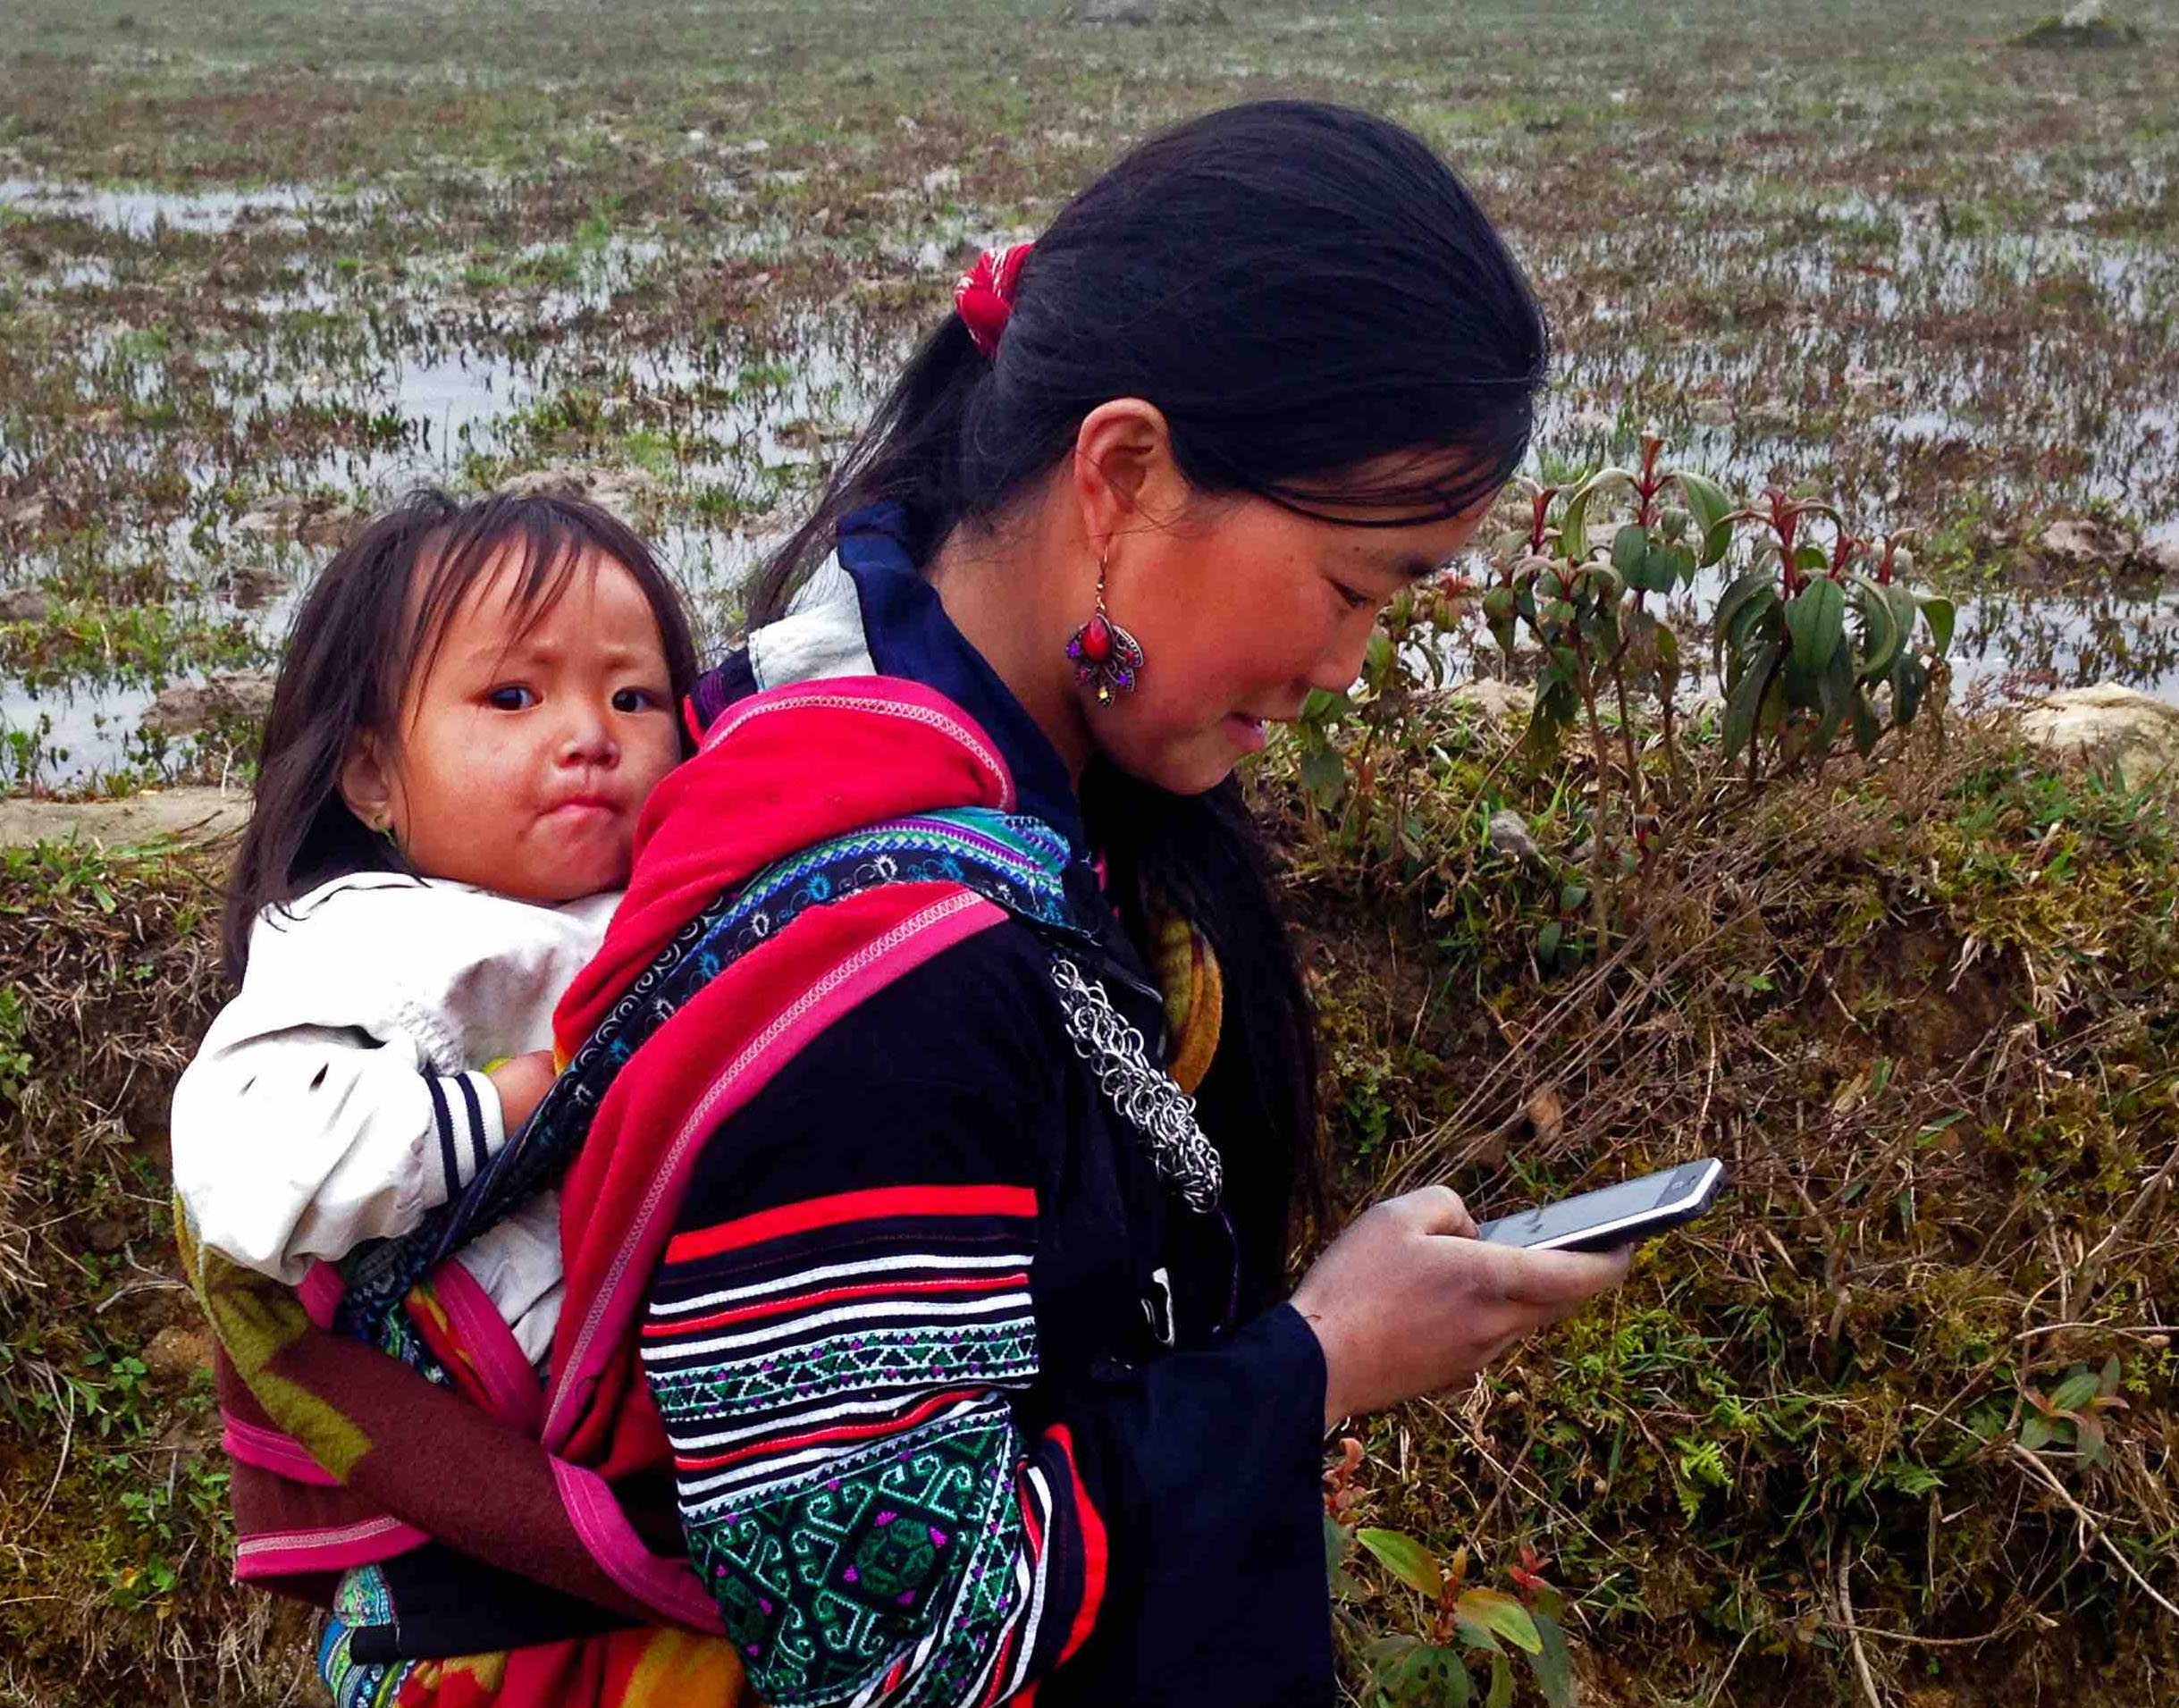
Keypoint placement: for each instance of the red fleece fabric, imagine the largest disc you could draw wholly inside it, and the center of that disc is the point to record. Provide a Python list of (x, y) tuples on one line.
[(778, 773)]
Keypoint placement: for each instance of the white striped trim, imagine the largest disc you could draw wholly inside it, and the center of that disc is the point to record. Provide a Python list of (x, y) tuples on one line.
[(1042, 1494), (673, 1364), (878, 1398), (785, 1423), (910, 1309), (806, 1278)]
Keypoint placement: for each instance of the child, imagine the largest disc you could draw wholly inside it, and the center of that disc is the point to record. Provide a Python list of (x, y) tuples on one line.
[(475, 701)]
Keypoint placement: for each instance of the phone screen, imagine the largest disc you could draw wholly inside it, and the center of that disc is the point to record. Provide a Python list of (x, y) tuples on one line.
[(1595, 1209)]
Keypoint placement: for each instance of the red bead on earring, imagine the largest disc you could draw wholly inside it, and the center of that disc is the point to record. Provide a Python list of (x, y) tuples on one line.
[(1106, 658)]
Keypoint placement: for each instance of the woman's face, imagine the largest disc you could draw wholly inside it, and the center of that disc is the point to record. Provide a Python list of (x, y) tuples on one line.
[(1241, 608)]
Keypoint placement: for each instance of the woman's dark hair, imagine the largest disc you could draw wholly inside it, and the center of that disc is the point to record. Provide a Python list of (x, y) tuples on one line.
[(366, 627), (1305, 291)]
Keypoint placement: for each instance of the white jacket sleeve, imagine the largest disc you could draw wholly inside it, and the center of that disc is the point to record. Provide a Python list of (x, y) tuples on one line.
[(301, 1142), (322, 1109)]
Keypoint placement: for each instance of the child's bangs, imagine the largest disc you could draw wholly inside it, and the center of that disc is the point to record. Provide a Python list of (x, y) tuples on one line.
[(537, 543)]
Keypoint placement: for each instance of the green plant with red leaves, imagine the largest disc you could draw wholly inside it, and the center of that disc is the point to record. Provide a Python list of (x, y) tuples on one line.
[(1459, 1626), (2071, 1414), (1795, 673)]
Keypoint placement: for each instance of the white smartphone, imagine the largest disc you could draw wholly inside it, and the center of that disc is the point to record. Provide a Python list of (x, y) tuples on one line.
[(1617, 1216)]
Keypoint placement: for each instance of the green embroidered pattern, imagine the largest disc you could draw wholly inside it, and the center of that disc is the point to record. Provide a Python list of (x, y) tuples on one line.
[(826, 1581), (920, 1356)]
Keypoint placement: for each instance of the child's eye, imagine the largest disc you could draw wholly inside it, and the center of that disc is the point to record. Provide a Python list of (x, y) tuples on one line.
[(510, 697), (636, 700)]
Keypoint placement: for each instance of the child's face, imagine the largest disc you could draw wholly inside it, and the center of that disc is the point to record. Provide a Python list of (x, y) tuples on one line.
[(522, 764)]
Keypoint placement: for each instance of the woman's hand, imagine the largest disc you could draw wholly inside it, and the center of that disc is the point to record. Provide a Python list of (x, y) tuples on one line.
[(1407, 1300), (521, 1081)]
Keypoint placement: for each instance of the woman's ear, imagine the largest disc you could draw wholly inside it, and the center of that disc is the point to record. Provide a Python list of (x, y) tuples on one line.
[(1123, 473), (368, 782)]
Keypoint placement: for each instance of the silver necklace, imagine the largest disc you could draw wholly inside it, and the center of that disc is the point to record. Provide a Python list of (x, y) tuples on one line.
[(1148, 1098)]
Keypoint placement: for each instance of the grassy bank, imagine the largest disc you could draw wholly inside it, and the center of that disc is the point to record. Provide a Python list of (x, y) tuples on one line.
[(114, 1530), (1926, 1011)]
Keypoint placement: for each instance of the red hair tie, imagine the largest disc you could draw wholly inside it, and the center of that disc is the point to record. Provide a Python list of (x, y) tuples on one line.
[(984, 299)]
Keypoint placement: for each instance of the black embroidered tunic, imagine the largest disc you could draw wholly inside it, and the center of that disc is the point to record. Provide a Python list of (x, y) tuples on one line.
[(959, 1405)]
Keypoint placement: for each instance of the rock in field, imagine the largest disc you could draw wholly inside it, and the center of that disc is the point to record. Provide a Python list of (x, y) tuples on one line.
[(2087, 24), (2108, 723), (2077, 542), (176, 1352), (189, 707), (2158, 551), (1509, 834), (621, 490), (24, 605), (291, 516), (1167, 12), (1495, 700)]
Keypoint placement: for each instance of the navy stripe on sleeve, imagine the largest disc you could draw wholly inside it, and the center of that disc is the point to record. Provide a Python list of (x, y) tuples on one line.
[(476, 1122), (442, 1117)]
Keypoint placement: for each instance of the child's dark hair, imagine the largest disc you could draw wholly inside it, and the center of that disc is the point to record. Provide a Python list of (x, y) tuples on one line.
[(1302, 290), (364, 627)]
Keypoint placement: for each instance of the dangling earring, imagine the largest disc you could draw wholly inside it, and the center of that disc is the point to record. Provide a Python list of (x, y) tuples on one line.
[(1106, 656)]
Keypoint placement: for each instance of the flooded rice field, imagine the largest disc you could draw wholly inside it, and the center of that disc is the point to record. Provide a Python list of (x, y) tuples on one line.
[(262, 268)]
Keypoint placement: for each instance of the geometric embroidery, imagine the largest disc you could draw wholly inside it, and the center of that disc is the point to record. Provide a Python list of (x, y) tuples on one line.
[(920, 1355), (825, 1587)]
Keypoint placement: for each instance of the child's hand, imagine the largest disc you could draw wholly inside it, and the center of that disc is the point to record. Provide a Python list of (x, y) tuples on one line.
[(521, 1081)]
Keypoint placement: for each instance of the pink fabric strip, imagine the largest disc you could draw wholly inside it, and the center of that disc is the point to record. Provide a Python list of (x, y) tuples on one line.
[(320, 1292), (270, 1449), (280, 1553), (906, 946), (888, 696), (669, 1586), (518, 1397)]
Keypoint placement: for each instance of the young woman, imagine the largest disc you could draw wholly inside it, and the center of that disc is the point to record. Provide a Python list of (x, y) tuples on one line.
[(954, 1315)]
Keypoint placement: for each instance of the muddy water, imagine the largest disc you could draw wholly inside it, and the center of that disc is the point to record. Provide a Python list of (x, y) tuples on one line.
[(1851, 343), (768, 423)]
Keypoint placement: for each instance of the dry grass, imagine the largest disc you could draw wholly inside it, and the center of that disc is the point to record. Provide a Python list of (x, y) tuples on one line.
[(1928, 1013)]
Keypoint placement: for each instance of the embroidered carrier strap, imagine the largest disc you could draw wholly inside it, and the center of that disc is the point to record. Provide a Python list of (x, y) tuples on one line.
[(1013, 861), (1008, 859)]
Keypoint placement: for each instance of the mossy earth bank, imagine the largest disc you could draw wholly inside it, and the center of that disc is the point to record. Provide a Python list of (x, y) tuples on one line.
[(1925, 1011)]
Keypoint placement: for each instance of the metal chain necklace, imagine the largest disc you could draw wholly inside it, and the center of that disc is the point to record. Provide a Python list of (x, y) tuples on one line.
[(1148, 1096)]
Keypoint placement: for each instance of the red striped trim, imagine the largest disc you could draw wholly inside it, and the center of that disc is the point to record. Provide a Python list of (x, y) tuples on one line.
[(773, 1448), (877, 1204), (793, 1302), (1094, 1549)]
